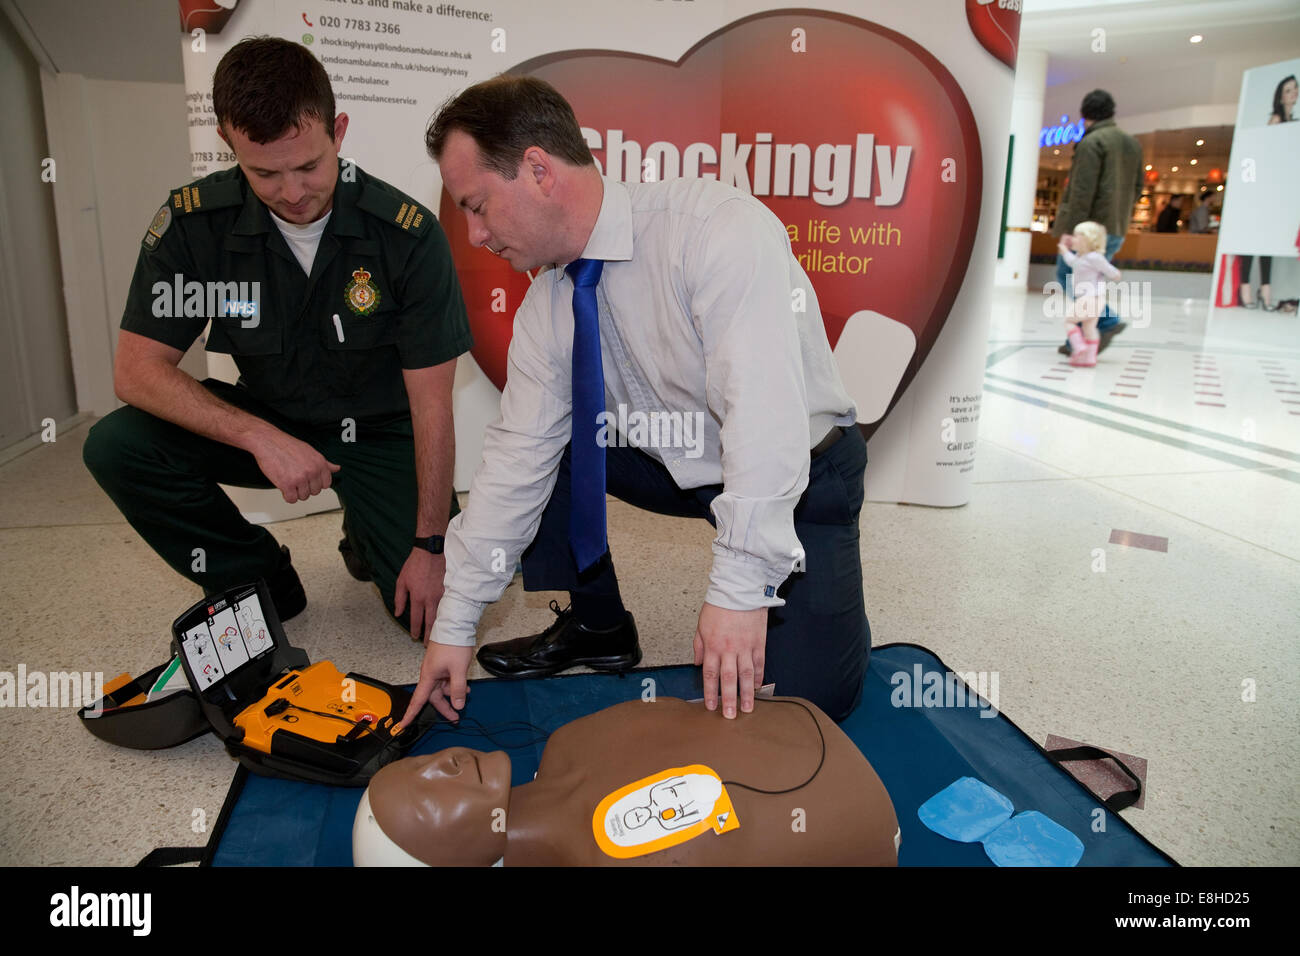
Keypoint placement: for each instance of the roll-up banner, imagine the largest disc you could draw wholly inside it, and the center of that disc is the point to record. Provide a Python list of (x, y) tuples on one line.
[(875, 131), (1261, 204)]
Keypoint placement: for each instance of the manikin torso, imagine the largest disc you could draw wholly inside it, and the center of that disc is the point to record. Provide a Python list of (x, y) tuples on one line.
[(455, 808)]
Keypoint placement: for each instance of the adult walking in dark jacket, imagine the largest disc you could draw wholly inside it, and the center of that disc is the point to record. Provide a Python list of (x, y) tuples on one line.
[(1104, 185)]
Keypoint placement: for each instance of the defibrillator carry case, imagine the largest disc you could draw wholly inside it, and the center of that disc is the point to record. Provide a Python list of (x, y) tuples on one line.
[(130, 714), (277, 713)]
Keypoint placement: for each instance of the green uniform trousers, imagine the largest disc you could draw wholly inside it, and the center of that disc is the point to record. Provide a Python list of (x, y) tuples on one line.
[(164, 479)]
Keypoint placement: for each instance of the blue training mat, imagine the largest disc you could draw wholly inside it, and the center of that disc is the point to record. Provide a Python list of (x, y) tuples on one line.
[(917, 751)]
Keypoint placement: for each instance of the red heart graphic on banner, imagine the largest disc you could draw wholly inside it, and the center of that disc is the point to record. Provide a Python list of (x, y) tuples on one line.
[(207, 15), (864, 146), (996, 24)]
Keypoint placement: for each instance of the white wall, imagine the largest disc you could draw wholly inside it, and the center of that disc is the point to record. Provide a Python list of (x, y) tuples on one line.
[(35, 374), (141, 152), (120, 147)]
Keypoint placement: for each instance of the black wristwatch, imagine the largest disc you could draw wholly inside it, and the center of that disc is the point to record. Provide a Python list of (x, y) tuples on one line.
[(432, 544)]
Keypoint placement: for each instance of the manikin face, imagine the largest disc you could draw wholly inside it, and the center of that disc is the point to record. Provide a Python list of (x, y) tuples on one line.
[(1289, 94), (439, 808), (511, 217), (462, 770), (294, 175)]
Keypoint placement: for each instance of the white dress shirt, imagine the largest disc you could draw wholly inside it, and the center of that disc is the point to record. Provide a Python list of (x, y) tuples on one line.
[(699, 317)]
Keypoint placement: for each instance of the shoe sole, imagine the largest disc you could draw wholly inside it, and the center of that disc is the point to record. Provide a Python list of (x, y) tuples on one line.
[(288, 606), (604, 665), (353, 563), (1110, 334)]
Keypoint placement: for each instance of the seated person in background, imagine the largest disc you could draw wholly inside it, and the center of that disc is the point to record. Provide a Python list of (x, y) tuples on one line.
[(1199, 220), (1169, 217)]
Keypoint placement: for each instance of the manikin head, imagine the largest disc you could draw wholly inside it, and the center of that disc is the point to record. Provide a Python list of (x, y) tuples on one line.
[(443, 809), (275, 110), (512, 156)]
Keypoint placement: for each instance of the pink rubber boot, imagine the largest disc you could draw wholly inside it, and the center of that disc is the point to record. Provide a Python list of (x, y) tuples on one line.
[(1086, 356), (1078, 348)]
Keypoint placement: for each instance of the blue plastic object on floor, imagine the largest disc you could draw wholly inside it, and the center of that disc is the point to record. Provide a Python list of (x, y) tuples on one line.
[(1031, 839), (967, 810), (970, 811)]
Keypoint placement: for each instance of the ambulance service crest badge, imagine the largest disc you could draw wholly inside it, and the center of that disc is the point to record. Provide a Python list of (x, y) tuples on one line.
[(361, 295)]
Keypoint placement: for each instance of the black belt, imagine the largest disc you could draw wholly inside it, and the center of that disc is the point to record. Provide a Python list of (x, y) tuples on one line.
[(832, 436)]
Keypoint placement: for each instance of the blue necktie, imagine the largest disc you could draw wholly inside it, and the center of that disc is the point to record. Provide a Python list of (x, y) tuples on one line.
[(587, 472)]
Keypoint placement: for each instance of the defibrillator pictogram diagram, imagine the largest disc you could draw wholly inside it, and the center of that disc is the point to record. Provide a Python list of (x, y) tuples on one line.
[(663, 810)]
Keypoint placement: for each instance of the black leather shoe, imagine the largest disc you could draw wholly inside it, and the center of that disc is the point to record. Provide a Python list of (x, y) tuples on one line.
[(356, 567), (1109, 334), (564, 644), (286, 588)]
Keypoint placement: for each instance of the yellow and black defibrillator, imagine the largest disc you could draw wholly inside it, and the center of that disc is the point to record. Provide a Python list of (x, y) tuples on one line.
[(276, 712)]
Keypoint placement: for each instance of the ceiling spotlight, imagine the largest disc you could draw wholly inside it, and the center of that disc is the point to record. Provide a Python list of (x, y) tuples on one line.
[(1148, 165), (1200, 142), (1195, 38), (1173, 169), (1193, 162), (1219, 189), (1056, 152)]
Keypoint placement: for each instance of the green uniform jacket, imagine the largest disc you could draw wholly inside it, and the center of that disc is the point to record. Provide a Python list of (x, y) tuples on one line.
[(382, 295), (1105, 181)]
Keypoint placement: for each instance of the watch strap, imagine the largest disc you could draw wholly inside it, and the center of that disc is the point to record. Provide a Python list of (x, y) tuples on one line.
[(433, 544)]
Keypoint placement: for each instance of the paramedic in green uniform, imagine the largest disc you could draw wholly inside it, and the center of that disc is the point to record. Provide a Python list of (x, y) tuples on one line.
[(337, 298)]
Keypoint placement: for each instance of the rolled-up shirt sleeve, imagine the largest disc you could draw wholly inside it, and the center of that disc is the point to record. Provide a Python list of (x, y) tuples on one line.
[(740, 276), (513, 483)]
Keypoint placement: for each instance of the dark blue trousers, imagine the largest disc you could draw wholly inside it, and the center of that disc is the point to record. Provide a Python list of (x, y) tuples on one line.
[(819, 642)]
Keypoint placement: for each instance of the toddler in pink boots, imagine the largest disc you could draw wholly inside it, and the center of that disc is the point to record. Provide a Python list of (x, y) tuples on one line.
[(1083, 252)]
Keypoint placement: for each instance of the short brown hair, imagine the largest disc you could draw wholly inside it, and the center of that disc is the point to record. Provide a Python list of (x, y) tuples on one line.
[(505, 116), (264, 85)]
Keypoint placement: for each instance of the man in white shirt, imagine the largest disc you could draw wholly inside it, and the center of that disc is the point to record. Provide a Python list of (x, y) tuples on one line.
[(720, 400)]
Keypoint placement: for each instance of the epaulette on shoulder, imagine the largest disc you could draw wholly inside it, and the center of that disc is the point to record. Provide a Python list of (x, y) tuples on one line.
[(199, 197), (396, 210), (204, 197)]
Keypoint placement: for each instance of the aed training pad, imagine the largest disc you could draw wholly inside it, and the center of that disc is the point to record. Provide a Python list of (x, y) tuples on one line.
[(1031, 839), (966, 810), (970, 811), (149, 724)]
